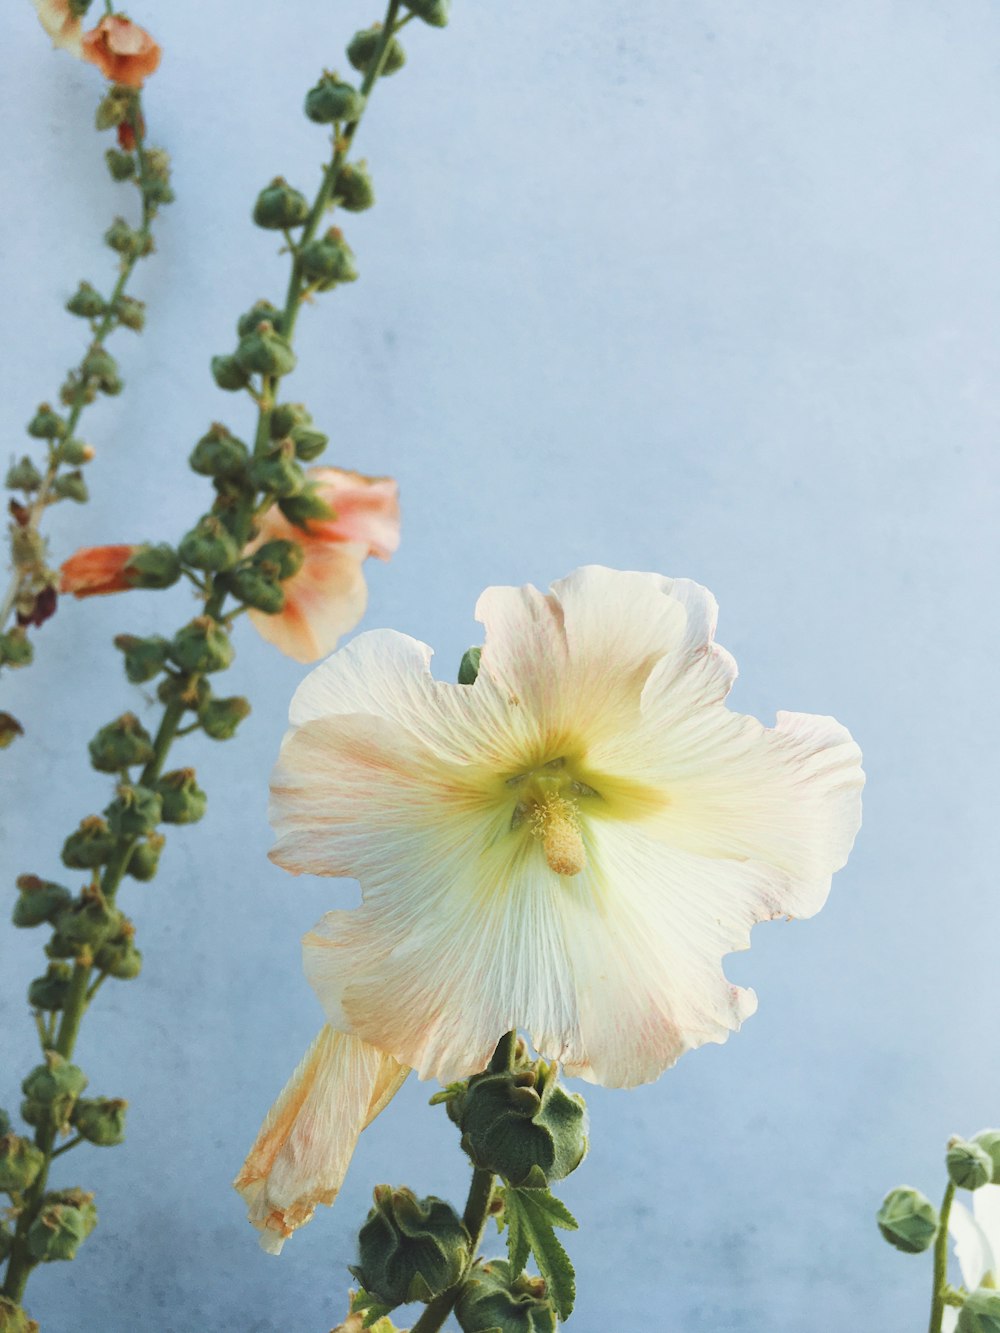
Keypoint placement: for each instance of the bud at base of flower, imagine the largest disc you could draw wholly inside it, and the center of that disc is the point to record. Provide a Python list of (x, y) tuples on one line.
[(71, 486), (13, 1319), (410, 1249), (191, 692), (980, 1313), (309, 443), (468, 668), (23, 476), (969, 1165), (308, 505), (490, 1302), (64, 1222), (280, 558), (908, 1220), (153, 567), (120, 165)]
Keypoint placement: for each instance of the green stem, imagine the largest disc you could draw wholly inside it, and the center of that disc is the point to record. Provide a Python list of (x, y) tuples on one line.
[(941, 1261), (477, 1211), (58, 1152)]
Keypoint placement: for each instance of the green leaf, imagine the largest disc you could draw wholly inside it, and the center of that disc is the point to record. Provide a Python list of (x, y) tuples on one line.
[(374, 1311), (532, 1216)]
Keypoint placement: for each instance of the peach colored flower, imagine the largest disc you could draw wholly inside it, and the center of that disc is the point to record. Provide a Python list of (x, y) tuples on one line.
[(121, 50), (97, 569), (569, 845), (327, 597), (62, 25)]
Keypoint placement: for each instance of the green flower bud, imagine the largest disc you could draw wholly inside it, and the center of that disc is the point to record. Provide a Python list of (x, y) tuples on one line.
[(121, 165), (202, 646), (285, 418), (15, 648), (157, 164), (4, 1122), (46, 424), (333, 100), (410, 1249), (64, 1222), (265, 352), (130, 313), (434, 12), (100, 1120), (145, 857), (115, 106), (74, 452), (90, 846), (23, 476), (13, 1319), (90, 921), (220, 454), (981, 1312), (309, 444), (908, 1220), (301, 509), (989, 1141), (50, 1091), (490, 1302), (189, 692), (363, 48), (261, 312), (39, 901), (71, 486), (228, 374), (184, 801), (280, 558), (121, 744), (87, 302), (20, 1163), (969, 1165), (134, 812), (254, 588), (144, 658), (220, 717), (154, 566), (128, 241), (354, 190), (101, 368), (523, 1125), (276, 471), (209, 545), (119, 957), (279, 207), (50, 992), (328, 260), (468, 668), (76, 390)]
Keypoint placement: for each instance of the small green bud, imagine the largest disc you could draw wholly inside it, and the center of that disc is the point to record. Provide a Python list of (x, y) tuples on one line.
[(134, 812), (50, 1091), (265, 352), (220, 454), (76, 390), (90, 846), (490, 1302), (228, 374), (23, 476), (184, 801), (119, 957), (280, 558), (332, 100), (190, 692), (74, 452), (468, 668), (15, 648), (260, 312), (305, 507), (121, 165), (309, 444), (328, 260), (279, 207), (354, 191), (50, 992), (121, 744), (128, 241), (363, 48), (969, 1165), (410, 1249), (220, 717), (989, 1141), (434, 12), (523, 1125), (285, 417), (115, 106), (90, 921), (209, 545), (157, 164), (20, 1163), (202, 646), (145, 858), (39, 901), (13, 1319), (154, 566), (46, 424), (10, 729), (144, 658), (87, 302), (157, 191), (980, 1313), (276, 471), (130, 313), (908, 1220), (100, 1120), (71, 486), (64, 1222), (255, 589), (101, 368)]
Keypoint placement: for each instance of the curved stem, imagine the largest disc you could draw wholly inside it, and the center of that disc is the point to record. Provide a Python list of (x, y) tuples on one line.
[(941, 1261)]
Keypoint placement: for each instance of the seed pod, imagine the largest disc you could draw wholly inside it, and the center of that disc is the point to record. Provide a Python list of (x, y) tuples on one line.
[(153, 566), (279, 207), (282, 558), (100, 1120), (39, 901), (145, 858), (285, 417), (209, 545), (144, 658), (228, 374), (20, 1163), (202, 646), (276, 471), (328, 260), (309, 444), (363, 48), (120, 165), (490, 1302), (121, 744), (265, 352), (46, 424), (332, 100), (50, 1091), (259, 313), (220, 717), (64, 1222), (130, 313), (183, 800), (87, 302), (354, 189), (134, 812), (90, 845), (50, 991), (434, 12)]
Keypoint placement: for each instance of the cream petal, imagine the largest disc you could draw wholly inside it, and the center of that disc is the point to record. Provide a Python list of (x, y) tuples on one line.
[(949, 1319), (61, 25), (306, 1143), (972, 1246), (325, 599), (986, 1210)]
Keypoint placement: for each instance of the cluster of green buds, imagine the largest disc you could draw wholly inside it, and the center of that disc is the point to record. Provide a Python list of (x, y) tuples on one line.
[(910, 1223)]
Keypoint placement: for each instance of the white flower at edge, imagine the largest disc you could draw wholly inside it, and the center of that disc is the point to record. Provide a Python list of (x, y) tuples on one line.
[(568, 846), (977, 1244)]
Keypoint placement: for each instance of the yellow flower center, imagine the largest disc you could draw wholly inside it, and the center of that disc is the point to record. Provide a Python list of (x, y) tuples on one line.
[(548, 804)]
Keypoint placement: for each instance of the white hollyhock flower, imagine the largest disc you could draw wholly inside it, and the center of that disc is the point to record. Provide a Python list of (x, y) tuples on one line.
[(977, 1244), (568, 846)]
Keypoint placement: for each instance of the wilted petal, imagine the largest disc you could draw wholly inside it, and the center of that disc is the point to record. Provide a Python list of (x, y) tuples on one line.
[(325, 599), (61, 24), (94, 570), (121, 50), (307, 1141)]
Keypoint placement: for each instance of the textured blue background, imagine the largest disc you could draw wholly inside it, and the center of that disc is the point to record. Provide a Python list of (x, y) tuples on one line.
[(706, 288)]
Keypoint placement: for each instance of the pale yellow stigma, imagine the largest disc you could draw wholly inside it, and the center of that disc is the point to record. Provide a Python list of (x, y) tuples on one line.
[(555, 821)]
